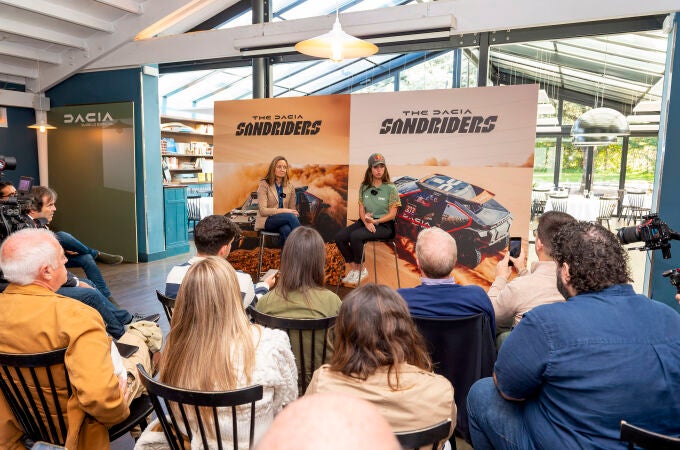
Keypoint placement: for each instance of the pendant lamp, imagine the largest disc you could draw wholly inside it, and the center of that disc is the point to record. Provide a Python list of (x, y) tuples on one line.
[(336, 45), (599, 126), (41, 104)]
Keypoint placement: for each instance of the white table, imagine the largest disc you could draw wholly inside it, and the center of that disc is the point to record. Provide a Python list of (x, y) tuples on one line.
[(580, 207)]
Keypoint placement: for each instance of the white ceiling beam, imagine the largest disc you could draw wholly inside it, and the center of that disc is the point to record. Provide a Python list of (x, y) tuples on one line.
[(125, 5), (15, 98), (41, 34), (102, 44), (471, 16), (19, 71), (48, 8), (22, 51)]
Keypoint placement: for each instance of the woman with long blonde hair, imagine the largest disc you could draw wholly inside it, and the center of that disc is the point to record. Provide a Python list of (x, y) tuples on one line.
[(212, 346)]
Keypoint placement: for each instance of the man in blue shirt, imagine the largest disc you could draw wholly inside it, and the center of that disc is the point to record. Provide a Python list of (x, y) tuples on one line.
[(571, 371), (439, 295)]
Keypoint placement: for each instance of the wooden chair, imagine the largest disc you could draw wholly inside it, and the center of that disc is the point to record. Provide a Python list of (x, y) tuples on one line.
[(606, 210), (636, 436), (168, 304), (463, 350), (423, 437), (31, 384), (635, 207), (539, 197), (308, 340), (185, 411), (558, 202)]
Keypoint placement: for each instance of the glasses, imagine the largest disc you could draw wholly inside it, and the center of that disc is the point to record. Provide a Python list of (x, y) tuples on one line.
[(281, 167)]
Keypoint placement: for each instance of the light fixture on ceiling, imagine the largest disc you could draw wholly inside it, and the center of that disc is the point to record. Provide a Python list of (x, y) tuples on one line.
[(41, 104), (336, 45), (599, 126)]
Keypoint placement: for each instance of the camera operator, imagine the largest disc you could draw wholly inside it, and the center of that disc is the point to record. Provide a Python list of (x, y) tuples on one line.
[(43, 206)]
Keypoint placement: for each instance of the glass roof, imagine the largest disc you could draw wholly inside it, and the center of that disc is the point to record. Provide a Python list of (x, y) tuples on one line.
[(621, 69)]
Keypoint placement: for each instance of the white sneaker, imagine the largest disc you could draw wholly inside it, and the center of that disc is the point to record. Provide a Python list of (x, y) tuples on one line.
[(351, 277), (364, 274)]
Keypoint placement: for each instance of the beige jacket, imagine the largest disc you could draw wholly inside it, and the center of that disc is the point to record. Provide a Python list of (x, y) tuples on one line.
[(268, 201), (34, 319), (511, 300), (425, 399)]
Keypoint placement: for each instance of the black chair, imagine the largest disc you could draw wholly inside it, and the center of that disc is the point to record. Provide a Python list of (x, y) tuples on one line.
[(308, 340), (539, 197), (388, 240), (462, 350), (430, 436), (168, 304), (193, 210), (186, 407), (31, 384), (636, 436)]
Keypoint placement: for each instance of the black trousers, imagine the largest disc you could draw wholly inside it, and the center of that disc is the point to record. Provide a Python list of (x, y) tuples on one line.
[(350, 240)]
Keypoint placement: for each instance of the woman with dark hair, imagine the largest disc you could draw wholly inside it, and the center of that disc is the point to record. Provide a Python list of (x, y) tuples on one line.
[(381, 357), (299, 292), (212, 346), (276, 201), (378, 203)]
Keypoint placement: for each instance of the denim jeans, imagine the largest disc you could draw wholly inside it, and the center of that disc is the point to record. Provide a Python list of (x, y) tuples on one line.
[(282, 223), (114, 317), (495, 423), (84, 258)]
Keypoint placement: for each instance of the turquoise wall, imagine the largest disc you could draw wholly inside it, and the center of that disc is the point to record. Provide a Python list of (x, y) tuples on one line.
[(19, 141), (130, 85)]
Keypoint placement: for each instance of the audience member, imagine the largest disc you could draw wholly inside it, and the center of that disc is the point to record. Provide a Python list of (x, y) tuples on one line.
[(42, 206), (33, 319), (438, 294), (212, 346), (378, 204), (276, 201), (329, 422), (213, 236), (381, 357), (300, 292), (571, 371), (530, 289)]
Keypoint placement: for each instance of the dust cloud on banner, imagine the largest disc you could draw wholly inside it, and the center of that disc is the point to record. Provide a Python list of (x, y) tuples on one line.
[(462, 160)]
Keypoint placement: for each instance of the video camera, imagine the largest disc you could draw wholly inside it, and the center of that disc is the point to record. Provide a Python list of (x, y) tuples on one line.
[(653, 232), (14, 210), (674, 275)]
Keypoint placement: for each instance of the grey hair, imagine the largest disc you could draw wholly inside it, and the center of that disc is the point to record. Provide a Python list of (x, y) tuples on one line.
[(25, 252), (437, 252)]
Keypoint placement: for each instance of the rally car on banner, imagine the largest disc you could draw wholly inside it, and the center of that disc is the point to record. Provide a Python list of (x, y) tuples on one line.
[(478, 223)]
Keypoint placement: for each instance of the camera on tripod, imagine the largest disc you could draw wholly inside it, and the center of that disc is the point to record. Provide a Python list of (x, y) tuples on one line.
[(653, 232), (674, 277), (14, 210)]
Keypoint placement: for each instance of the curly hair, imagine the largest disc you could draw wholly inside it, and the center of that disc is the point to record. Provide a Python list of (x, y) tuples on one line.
[(374, 329), (595, 256)]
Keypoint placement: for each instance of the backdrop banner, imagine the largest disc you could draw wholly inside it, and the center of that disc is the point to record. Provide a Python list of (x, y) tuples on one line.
[(462, 160)]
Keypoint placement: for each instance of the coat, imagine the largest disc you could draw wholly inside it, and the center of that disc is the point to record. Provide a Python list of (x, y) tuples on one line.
[(268, 201), (34, 319)]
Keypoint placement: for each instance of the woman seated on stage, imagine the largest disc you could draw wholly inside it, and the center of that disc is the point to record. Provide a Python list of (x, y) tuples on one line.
[(381, 357), (378, 204), (299, 292), (276, 201), (212, 346)]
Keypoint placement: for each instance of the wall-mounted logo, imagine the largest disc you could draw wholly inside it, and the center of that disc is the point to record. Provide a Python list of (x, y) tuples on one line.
[(90, 119)]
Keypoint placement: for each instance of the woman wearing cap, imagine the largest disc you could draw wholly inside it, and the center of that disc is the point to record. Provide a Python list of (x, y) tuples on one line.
[(276, 201), (378, 203)]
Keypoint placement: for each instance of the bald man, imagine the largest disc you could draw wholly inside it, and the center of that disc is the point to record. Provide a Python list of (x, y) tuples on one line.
[(329, 422)]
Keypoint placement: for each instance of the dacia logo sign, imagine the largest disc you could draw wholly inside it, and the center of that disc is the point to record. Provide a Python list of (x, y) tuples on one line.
[(91, 117)]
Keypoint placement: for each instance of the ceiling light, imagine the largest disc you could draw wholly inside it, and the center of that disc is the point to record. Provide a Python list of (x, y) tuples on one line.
[(599, 126), (43, 126), (336, 45)]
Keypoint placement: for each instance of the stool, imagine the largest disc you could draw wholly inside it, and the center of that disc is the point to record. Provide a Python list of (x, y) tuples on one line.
[(389, 240), (262, 235)]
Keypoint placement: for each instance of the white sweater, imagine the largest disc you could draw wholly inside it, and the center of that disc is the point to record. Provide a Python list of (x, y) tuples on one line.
[(274, 369)]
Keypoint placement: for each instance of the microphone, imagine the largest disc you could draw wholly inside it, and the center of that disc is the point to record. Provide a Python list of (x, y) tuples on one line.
[(282, 195)]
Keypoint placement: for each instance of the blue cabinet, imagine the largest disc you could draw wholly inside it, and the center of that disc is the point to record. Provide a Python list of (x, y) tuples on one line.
[(176, 233)]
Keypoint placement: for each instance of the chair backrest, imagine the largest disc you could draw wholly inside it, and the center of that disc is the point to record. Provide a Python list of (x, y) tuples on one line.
[(558, 202), (308, 340), (636, 436), (167, 302), (192, 411), (635, 198), (30, 384), (194, 207), (431, 436), (607, 206), (462, 350)]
